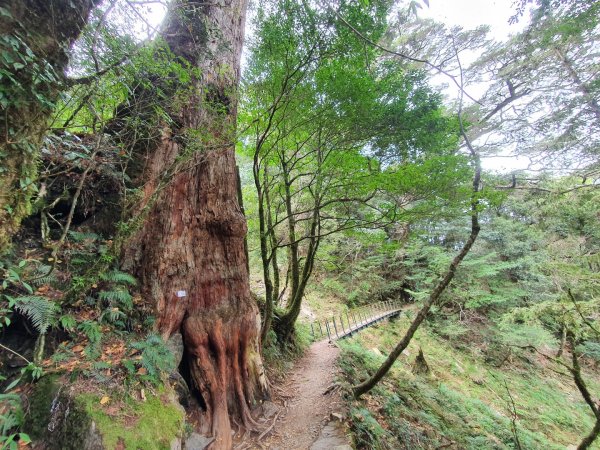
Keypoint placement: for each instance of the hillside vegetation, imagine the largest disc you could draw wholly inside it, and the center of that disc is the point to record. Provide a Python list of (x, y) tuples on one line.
[(180, 202)]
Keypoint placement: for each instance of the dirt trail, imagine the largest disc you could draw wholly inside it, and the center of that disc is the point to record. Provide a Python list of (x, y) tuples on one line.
[(303, 403)]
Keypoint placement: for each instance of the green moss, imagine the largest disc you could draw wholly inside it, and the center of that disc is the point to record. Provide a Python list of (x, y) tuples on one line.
[(40, 401), (145, 425), (55, 418), (464, 400)]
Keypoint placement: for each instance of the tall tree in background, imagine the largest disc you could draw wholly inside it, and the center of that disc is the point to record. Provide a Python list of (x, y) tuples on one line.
[(35, 39), (333, 130), (188, 249), (546, 78)]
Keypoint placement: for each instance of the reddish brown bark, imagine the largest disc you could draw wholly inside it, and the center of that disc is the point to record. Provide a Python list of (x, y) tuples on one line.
[(192, 240)]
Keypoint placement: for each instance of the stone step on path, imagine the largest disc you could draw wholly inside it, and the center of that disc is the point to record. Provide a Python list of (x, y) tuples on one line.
[(332, 437)]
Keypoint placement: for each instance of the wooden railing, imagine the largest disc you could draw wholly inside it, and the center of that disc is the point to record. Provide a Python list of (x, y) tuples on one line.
[(351, 321)]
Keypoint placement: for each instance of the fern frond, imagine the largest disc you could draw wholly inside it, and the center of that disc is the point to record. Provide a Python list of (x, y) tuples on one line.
[(113, 315), (119, 277), (39, 310), (119, 296), (156, 356), (9, 421), (79, 236), (92, 331), (12, 413), (40, 275), (44, 280), (68, 322)]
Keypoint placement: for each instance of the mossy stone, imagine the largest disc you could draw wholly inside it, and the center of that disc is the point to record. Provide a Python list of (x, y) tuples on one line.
[(40, 401), (58, 418)]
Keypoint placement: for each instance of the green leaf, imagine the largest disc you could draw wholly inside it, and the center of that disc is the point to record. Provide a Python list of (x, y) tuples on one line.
[(27, 286), (12, 384), (120, 296), (68, 322)]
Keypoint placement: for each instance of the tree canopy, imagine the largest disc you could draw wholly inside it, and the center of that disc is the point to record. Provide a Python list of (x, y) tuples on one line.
[(180, 205)]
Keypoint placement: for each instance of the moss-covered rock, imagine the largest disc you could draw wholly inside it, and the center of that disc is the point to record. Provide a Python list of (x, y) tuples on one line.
[(59, 418), (40, 401), (150, 425), (62, 418)]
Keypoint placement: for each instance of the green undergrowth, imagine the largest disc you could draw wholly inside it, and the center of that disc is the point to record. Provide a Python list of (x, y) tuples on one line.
[(151, 425), (280, 358), (463, 402)]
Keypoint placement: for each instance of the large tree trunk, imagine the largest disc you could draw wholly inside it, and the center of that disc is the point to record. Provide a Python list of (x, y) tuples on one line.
[(189, 250), (36, 36)]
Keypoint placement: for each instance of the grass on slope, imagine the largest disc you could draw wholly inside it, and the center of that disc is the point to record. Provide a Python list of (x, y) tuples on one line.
[(464, 402)]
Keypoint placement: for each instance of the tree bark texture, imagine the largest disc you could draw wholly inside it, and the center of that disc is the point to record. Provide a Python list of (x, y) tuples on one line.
[(189, 250), (35, 39)]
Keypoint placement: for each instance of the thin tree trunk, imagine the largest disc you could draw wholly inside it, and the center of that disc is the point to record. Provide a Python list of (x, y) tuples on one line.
[(585, 393), (189, 253), (274, 245), (563, 341), (300, 273), (368, 384), (263, 210), (37, 35), (291, 222), (285, 324)]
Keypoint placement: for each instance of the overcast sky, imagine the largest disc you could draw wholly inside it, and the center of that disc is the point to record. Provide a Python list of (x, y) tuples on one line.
[(472, 13), (468, 14)]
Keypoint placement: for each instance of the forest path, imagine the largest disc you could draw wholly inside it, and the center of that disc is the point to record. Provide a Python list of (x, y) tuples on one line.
[(303, 405)]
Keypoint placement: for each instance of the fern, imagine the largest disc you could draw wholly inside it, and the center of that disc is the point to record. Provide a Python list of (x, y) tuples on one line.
[(39, 310), (68, 322), (12, 417), (43, 275), (119, 277), (590, 349), (119, 296), (9, 421), (113, 315), (156, 356), (92, 331), (79, 236)]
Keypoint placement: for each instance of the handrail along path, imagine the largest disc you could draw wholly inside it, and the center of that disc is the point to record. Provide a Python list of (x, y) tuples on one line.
[(367, 315)]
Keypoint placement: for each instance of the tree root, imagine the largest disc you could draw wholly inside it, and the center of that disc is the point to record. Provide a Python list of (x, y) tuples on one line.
[(268, 430)]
